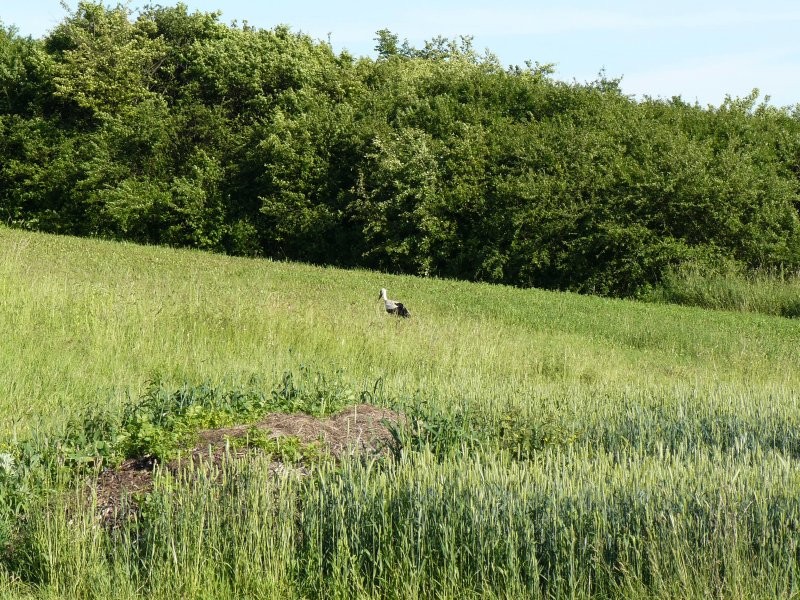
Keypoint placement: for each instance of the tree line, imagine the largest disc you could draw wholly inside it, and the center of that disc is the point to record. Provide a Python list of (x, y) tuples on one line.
[(170, 127)]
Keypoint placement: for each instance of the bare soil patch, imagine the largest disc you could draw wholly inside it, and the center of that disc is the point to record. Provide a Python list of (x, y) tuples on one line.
[(357, 430)]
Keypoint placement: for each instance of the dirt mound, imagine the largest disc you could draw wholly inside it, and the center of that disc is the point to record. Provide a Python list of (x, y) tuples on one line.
[(362, 429), (357, 429)]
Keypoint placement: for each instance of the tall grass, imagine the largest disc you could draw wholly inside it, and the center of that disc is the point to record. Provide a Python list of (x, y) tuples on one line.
[(557, 445), (568, 524), (767, 292), (89, 322)]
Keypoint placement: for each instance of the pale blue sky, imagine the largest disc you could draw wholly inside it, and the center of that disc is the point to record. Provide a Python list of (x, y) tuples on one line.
[(698, 50)]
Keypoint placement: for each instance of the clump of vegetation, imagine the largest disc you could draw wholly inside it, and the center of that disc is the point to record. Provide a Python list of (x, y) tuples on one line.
[(459, 430), (771, 292), (285, 449), (163, 422)]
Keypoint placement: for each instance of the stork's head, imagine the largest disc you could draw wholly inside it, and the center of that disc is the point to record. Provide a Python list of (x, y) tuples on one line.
[(382, 295)]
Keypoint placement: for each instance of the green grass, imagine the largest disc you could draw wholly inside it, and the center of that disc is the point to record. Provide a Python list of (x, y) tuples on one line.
[(559, 445), (89, 322), (766, 292)]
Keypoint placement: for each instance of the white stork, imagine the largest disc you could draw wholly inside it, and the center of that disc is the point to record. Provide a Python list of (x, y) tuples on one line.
[(393, 307)]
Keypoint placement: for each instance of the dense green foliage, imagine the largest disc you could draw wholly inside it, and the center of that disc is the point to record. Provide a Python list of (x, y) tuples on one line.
[(173, 128), (163, 422)]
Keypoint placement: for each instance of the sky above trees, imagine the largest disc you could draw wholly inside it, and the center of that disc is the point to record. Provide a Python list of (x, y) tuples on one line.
[(698, 50)]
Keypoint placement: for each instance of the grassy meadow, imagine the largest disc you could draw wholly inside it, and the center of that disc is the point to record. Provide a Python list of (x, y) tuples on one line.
[(564, 446)]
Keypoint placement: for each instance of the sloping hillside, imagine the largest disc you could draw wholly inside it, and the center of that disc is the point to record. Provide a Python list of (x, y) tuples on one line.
[(87, 321), (541, 445)]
